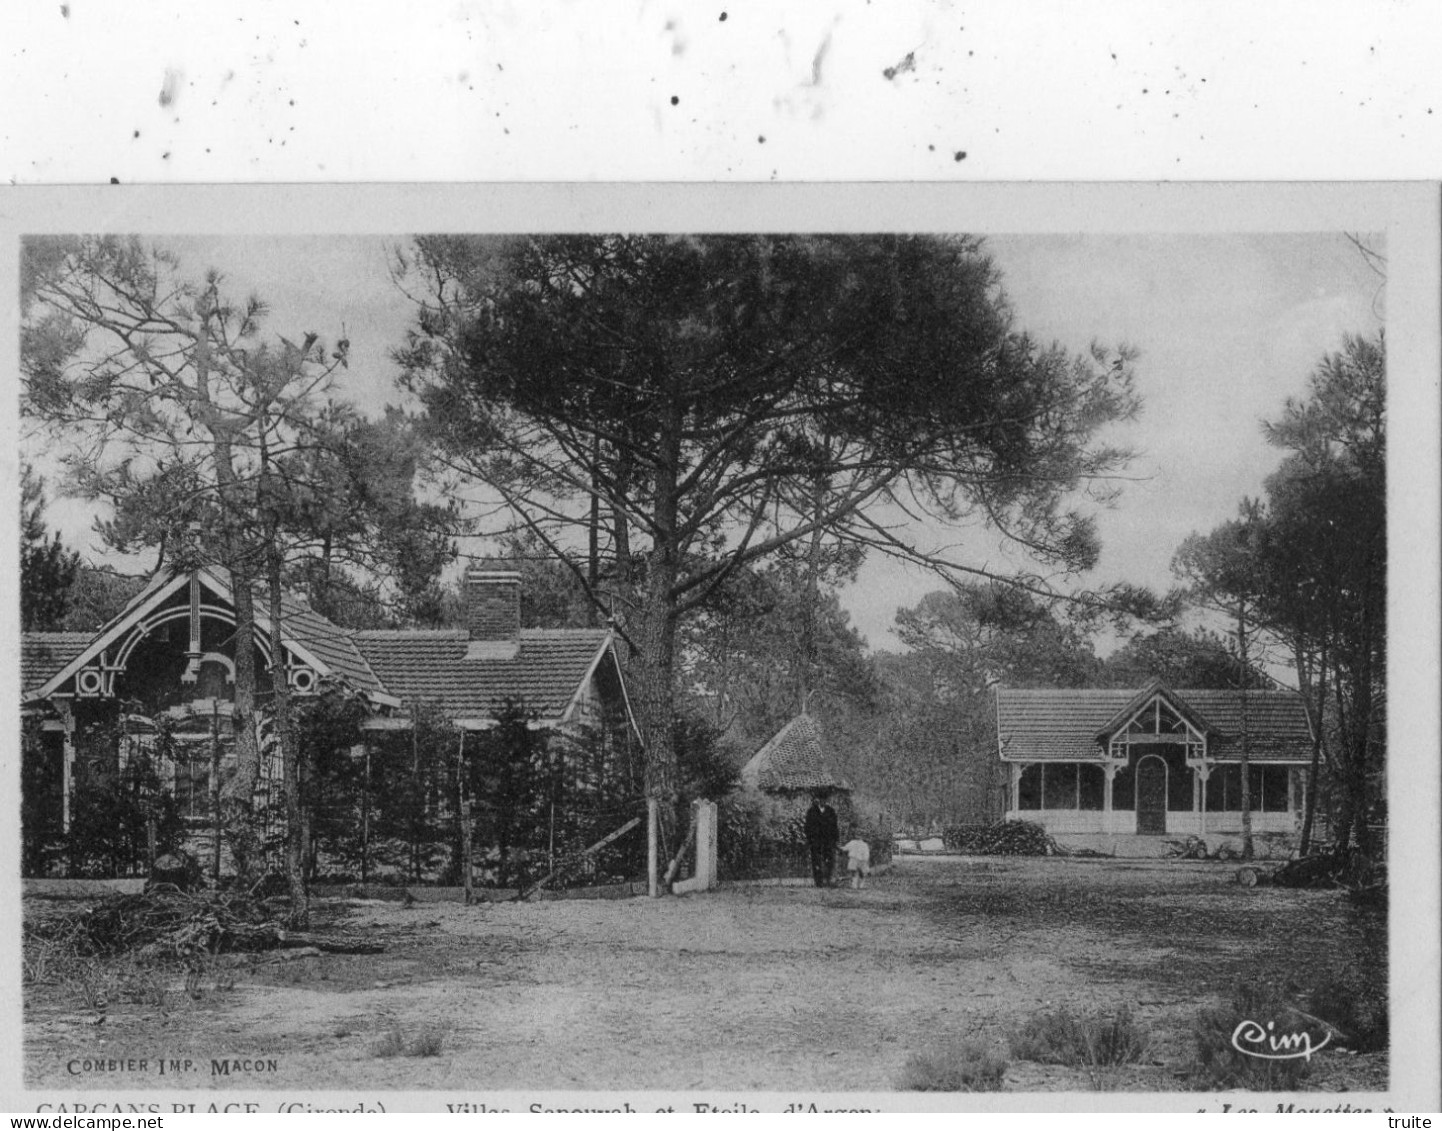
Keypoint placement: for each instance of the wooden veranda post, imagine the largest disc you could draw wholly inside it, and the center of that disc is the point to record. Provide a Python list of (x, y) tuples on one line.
[(215, 814), (463, 804), (366, 816), (653, 875)]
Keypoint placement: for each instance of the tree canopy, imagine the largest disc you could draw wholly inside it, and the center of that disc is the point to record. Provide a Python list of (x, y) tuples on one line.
[(48, 570), (212, 440), (1308, 563), (663, 411)]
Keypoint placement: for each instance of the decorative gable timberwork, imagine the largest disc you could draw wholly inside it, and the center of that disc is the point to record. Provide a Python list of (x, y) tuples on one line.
[(177, 634)]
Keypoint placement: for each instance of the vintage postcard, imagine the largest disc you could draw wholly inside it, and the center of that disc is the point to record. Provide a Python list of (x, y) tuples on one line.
[(723, 648)]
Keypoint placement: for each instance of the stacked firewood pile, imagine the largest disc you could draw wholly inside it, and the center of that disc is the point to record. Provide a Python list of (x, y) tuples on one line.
[(1009, 838)]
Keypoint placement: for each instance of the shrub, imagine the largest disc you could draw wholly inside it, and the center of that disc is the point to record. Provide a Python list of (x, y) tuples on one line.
[(1360, 1024), (963, 1066), (390, 1043), (758, 837), (1098, 1043), (393, 1042), (427, 1044), (1221, 1065), (1006, 838)]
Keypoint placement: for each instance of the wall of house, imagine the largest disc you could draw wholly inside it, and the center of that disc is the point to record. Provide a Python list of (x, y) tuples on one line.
[(1124, 823)]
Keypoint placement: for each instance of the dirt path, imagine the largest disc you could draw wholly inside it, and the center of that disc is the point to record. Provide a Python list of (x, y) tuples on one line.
[(763, 988)]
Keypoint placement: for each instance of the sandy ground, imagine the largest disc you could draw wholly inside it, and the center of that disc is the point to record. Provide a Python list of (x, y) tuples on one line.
[(763, 988)]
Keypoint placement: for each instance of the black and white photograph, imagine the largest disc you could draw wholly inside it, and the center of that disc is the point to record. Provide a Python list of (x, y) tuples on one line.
[(859, 648)]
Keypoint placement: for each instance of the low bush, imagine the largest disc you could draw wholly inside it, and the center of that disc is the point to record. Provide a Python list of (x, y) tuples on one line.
[(1086, 1041), (1007, 838), (393, 1042), (1360, 1023), (757, 838), (963, 1066), (390, 1043), (426, 1044)]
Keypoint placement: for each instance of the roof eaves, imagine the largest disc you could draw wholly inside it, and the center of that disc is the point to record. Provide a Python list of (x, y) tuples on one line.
[(143, 602), (1173, 699)]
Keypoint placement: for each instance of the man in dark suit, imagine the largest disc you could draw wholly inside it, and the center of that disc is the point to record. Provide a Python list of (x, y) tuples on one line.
[(823, 834)]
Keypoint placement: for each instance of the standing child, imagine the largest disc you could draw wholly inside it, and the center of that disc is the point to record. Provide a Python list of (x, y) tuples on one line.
[(858, 860)]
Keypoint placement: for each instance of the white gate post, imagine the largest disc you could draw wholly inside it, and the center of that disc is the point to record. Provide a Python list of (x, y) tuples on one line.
[(703, 818), (706, 844), (653, 868)]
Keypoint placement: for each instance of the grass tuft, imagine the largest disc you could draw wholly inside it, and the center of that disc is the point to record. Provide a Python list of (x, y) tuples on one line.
[(962, 1066), (1098, 1043), (1084, 1041), (427, 1043), (393, 1042), (390, 1043)]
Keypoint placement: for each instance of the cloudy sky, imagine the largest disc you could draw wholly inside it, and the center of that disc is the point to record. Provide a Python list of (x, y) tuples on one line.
[(1227, 328)]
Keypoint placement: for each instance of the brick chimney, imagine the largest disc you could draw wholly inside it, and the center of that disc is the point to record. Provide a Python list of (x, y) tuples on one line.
[(493, 612)]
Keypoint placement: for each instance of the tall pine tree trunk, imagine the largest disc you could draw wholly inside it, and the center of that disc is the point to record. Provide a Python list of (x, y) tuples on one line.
[(1247, 846), (655, 695), (1314, 696), (289, 754), (810, 652), (237, 802), (1349, 806), (657, 643)]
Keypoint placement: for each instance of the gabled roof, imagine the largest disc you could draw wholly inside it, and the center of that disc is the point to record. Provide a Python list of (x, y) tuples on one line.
[(332, 645), (794, 759), (547, 672), (307, 633), (1034, 726), (42, 654), (1155, 689), (150, 598)]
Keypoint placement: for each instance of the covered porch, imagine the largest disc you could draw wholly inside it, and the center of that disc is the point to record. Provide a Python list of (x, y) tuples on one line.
[(1150, 796), (1155, 763)]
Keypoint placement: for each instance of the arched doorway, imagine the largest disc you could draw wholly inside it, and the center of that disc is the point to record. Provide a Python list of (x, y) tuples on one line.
[(1152, 795)]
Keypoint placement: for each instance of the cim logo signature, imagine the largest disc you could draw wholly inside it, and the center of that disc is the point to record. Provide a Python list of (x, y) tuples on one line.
[(1251, 1038)]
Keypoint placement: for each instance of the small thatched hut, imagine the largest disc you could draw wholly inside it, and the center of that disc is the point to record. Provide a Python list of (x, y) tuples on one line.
[(794, 762)]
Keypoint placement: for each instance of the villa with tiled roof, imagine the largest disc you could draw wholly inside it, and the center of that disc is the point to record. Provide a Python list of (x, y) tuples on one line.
[(1153, 762), (172, 651)]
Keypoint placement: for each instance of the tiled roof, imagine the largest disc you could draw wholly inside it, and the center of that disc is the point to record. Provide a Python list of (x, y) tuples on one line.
[(1063, 725), (42, 654), (332, 645), (794, 759), (431, 666), (1186, 710), (328, 642)]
